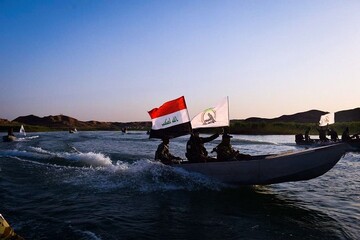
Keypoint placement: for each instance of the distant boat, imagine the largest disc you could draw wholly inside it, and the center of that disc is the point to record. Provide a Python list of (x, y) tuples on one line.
[(9, 138), (74, 130), (270, 169), (124, 130), (325, 121), (22, 130)]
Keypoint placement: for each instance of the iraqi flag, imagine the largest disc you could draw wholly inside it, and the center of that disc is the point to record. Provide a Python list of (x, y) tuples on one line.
[(170, 120), (212, 117)]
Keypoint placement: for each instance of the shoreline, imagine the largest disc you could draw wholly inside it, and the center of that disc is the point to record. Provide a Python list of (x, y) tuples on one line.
[(236, 127)]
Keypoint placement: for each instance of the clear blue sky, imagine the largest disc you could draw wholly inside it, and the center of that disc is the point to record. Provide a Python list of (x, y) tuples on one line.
[(115, 60)]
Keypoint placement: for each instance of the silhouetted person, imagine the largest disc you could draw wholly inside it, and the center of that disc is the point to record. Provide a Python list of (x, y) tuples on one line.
[(322, 134), (333, 135), (299, 138), (195, 150), (346, 136), (163, 153), (225, 151)]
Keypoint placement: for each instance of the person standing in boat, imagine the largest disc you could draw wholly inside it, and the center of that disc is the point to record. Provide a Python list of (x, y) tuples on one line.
[(322, 134), (333, 135), (163, 154), (225, 152), (307, 136), (195, 150)]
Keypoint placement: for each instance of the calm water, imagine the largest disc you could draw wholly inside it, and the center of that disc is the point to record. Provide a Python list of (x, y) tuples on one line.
[(105, 185)]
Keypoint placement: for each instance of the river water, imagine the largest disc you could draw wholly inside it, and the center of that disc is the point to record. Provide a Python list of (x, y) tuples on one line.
[(105, 185)]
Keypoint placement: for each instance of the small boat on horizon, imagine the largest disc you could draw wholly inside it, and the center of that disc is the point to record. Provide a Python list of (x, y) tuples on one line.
[(73, 130), (10, 137), (22, 130)]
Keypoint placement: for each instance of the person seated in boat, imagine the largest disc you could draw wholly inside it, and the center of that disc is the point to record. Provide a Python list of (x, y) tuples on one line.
[(299, 138), (163, 154), (225, 152), (333, 135), (322, 134), (195, 150), (345, 137)]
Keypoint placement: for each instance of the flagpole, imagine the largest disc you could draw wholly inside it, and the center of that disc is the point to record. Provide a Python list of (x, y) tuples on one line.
[(227, 98), (188, 116)]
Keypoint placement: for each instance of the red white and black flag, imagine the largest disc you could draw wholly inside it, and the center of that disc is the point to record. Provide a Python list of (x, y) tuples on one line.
[(170, 120)]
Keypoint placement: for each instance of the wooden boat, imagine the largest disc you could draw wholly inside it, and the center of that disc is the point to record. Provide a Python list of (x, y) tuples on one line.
[(6, 231), (270, 169)]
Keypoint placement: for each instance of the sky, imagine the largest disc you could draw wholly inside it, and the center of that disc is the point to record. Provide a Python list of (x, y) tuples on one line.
[(110, 60)]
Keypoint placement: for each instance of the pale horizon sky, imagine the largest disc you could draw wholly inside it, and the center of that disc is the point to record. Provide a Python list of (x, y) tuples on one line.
[(116, 60)]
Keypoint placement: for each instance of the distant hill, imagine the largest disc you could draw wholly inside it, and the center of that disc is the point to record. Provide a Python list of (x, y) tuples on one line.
[(4, 121), (312, 116), (62, 122), (58, 121), (352, 115)]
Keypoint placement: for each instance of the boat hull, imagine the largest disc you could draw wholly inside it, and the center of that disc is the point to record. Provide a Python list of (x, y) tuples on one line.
[(297, 166)]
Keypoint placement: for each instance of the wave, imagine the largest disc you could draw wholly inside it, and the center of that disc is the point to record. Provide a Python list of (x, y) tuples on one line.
[(84, 234), (88, 159), (140, 176), (21, 139), (252, 142), (100, 173), (352, 156)]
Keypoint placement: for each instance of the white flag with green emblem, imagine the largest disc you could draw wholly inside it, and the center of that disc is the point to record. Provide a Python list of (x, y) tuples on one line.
[(327, 119), (217, 116)]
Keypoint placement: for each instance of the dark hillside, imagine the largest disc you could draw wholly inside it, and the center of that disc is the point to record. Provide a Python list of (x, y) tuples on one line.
[(285, 124), (311, 116), (62, 122), (352, 115)]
